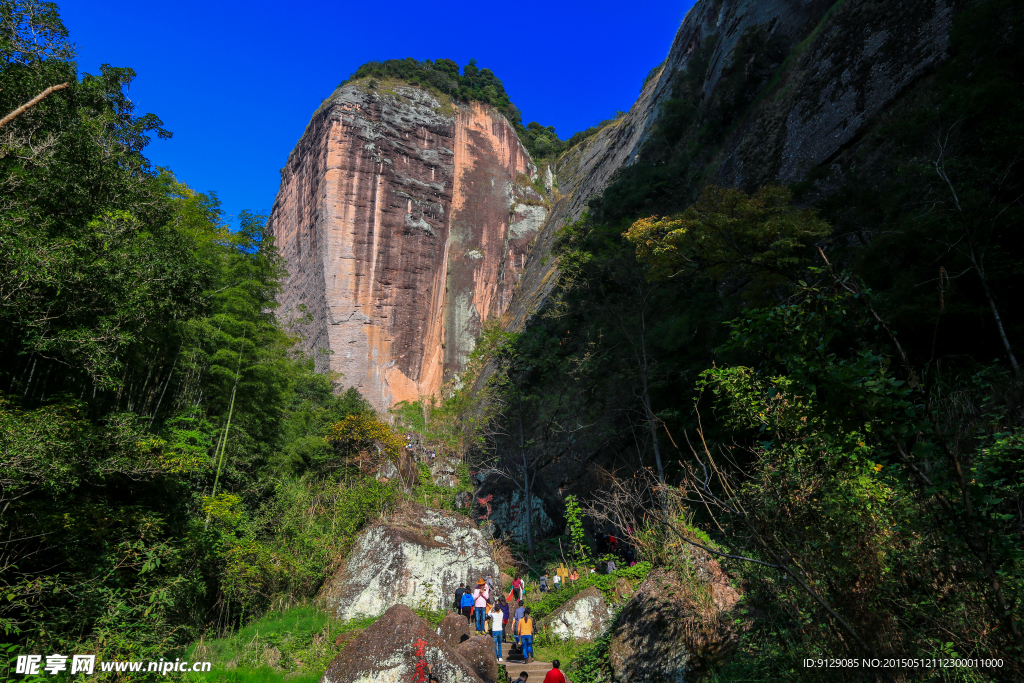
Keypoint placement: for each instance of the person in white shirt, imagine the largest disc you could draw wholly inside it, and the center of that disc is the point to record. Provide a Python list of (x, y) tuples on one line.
[(496, 618)]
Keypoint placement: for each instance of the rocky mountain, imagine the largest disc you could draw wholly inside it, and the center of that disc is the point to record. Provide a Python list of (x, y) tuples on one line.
[(407, 220)]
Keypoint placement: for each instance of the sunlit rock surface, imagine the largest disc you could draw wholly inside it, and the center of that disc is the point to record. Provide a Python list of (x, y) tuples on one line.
[(418, 561), (405, 223), (583, 617)]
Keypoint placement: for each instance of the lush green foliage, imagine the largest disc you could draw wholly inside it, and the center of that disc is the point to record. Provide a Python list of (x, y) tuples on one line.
[(864, 436), (167, 459), (579, 548), (546, 603), (296, 643)]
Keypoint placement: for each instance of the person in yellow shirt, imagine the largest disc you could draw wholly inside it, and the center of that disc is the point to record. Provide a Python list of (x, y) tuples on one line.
[(526, 635)]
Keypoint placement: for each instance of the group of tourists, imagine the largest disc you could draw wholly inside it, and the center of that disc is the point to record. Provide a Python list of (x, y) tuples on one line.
[(507, 614)]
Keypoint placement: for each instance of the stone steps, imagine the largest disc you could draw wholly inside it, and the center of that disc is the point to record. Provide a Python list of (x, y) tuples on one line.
[(514, 664)]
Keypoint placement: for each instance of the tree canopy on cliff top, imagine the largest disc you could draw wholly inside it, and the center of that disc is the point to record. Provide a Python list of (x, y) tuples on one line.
[(474, 83)]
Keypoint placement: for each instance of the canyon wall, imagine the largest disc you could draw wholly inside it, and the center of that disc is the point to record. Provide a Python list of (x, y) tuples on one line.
[(407, 221), (404, 222), (847, 66)]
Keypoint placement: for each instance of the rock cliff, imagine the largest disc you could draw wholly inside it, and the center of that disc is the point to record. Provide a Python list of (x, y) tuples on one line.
[(404, 222), (417, 561), (407, 221), (842, 65)]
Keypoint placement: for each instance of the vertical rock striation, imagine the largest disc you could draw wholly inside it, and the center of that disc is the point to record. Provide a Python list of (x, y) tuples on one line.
[(400, 221)]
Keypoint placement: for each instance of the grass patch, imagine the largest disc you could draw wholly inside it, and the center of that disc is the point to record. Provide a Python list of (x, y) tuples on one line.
[(295, 645), (543, 604)]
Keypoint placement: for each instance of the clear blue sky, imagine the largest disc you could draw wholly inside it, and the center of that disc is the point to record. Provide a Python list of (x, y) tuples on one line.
[(236, 82)]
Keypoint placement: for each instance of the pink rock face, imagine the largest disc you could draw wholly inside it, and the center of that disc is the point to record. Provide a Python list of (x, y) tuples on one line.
[(402, 229)]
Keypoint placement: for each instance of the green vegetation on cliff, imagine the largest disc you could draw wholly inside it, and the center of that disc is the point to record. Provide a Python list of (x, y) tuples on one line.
[(826, 375), (473, 84)]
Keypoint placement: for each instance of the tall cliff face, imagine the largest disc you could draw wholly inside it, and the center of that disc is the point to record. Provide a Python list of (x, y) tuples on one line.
[(404, 222), (407, 222), (844, 66)]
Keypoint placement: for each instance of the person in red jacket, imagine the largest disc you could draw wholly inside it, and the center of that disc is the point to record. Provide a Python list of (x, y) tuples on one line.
[(555, 676)]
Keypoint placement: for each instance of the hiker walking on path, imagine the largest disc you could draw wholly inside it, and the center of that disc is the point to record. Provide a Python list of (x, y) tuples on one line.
[(574, 577), (517, 588), (520, 611), (466, 606), (611, 566), (503, 604), (526, 635), (497, 629), (555, 675), (522, 677), (480, 595), (459, 592), (544, 584)]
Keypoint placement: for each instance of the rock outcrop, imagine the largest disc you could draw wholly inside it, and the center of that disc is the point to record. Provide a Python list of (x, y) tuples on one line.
[(398, 649), (845, 64), (454, 630), (583, 617), (671, 628), (405, 221), (417, 561), (478, 652)]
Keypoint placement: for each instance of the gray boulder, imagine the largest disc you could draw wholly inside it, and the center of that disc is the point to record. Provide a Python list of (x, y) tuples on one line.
[(583, 617), (397, 648), (672, 628), (416, 560)]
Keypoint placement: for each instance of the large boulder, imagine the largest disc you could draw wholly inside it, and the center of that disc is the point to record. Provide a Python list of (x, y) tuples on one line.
[(455, 629), (417, 559), (444, 471), (403, 471), (671, 628), (397, 648), (478, 652), (583, 617)]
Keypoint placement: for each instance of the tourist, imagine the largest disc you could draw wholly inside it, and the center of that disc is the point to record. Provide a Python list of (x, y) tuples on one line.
[(555, 676), (520, 611), (480, 605), (503, 604), (574, 577), (544, 584), (490, 583), (522, 677), (611, 566), (517, 588), (497, 629), (466, 605), (556, 583), (459, 592), (526, 635)]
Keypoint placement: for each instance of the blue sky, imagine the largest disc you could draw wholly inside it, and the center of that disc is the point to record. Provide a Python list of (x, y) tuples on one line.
[(236, 82)]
